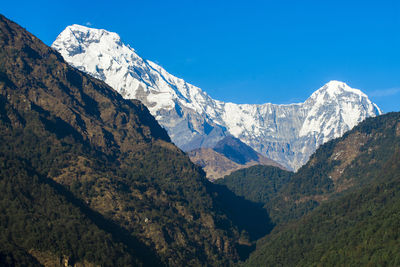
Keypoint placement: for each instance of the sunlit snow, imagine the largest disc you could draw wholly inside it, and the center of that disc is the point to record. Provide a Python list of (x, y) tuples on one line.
[(288, 134)]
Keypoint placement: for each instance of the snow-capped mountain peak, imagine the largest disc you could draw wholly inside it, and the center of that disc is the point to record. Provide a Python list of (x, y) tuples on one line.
[(288, 134), (335, 89), (107, 58), (334, 109), (78, 37)]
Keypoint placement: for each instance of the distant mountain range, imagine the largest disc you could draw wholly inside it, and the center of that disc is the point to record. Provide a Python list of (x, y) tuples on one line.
[(228, 155), (287, 134)]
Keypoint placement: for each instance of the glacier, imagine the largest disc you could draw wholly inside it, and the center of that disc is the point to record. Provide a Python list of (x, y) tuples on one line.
[(287, 134)]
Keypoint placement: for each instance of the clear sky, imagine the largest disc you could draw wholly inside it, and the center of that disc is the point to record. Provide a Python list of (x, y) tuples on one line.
[(246, 51)]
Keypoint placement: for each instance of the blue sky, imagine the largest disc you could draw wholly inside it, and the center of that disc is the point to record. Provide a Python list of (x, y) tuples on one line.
[(246, 51)]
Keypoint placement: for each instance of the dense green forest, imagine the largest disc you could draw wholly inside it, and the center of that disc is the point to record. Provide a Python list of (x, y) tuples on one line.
[(361, 228), (39, 216), (258, 183)]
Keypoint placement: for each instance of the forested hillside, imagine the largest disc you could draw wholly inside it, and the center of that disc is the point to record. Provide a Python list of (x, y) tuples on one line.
[(258, 183), (88, 178), (339, 166), (361, 228), (105, 159), (341, 208)]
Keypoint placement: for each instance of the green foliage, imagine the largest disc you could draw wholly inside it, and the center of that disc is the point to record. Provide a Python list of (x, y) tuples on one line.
[(350, 220), (377, 145), (358, 226), (92, 177), (359, 229), (257, 183), (13, 255), (374, 142), (33, 215)]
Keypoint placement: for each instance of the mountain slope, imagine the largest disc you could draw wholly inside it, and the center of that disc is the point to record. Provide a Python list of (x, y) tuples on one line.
[(111, 154), (337, 167), (228, 155), (214, 164), (41, 224), (287, 134), (341, 208), (257, 183), (341, 165), (359, 228), (238, 152)]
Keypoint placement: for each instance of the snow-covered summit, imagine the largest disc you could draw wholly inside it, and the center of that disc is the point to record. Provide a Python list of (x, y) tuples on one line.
[(336, 89), (334, 109), (104, 56), (288, 134), (76, 35)]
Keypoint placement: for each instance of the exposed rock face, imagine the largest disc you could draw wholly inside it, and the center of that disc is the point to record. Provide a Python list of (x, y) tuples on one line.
[(228, 155), (213, 163), (287, 134)]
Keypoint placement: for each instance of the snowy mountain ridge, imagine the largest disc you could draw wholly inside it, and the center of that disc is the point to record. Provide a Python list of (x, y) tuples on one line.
[(288, 134)]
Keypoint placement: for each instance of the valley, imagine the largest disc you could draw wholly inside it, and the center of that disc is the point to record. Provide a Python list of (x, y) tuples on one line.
[(106, 159)]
